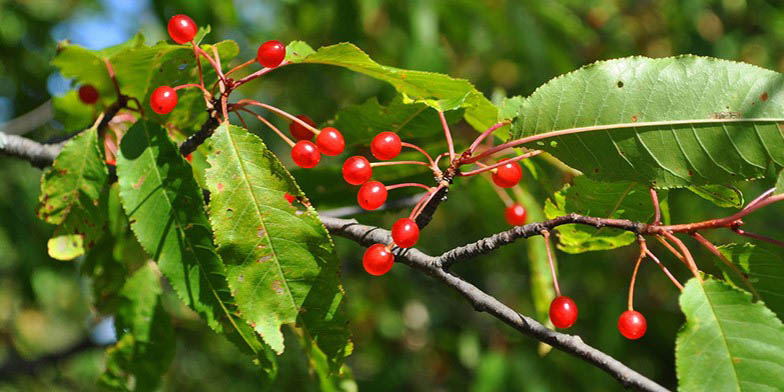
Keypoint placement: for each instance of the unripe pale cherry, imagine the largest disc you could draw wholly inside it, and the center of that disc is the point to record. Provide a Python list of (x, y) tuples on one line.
[(88, 94), (563, 312), (508, 175), (386, 145), (299, 131), (305, 154), (632, 324), (163, 100), (372, 195), (271, 54), (515, 214), (182, 28), (378, 260), (357, 170), (330, 141), (405, 232)]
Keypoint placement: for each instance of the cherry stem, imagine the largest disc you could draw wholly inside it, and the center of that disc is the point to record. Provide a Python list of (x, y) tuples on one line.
[(438, 158), (448, 135), (218, 62), (242, 120), (501, 163), (258, 73), (672, 250), (485, 134), (643, 248), (690, 260), (217, 67), (415, 147), (408, 184), (415, 211), (499, 191), (430, 195), (241, 66), (201, 75), (712, 248), (279, 112), (723, 222), (759, 237), (112, 76), (193, 85), (391, 163), (656, 207), (666, 271), (759, 198), (546, 235), (269, 124)]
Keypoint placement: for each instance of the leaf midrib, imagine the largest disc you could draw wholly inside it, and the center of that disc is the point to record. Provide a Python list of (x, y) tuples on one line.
[(721, 334)]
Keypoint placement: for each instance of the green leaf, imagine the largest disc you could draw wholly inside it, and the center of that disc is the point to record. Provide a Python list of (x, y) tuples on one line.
[(72, 113), (717, 120), (145, 345), (280, 260), (728, 343), (622, 200), (720, 195), (73, 195), (360, 123), (780, 183), (166, 211), (438, 91), (764, 268)]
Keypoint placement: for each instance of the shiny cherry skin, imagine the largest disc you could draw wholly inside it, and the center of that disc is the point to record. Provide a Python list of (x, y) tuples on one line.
[(299, 131), (271, 54), (305, 154), (632, 324), (508, 175), (357, 170), (405, 233), (563, 312), (372, 195), (378, 260), (182, 28), (88, 94), (163, 100), (386, 145), (330, 141), (515, 214)]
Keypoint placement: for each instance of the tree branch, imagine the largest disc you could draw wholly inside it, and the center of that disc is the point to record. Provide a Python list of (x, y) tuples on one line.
[(38, 154), (483, 302)]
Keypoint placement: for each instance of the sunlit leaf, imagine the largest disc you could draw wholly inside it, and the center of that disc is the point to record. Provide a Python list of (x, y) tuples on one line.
[(764, 268), (720, 195)]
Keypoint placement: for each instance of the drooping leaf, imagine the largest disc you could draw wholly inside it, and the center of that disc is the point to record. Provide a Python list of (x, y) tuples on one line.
[(720, 195), (622, 200), (166, 211), (764, 268), (280, 260), (435, 90), (728, 343), (145, 345), (669, 122), (73, 195)]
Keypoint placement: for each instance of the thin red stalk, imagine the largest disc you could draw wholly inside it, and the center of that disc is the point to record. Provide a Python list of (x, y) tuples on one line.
[(722, 222), (500, 192), (672, 250), (643, 248), (690, 260), (759, 237), (218, 62), (201, 76), (242, 120), (430, 196), (656, 207), (258, 73), (546, 235), (269, 124), (279, 112), (390, 163), (760, 197), (666, 271), (448, 135), (501, 163), (408, 184), (712, 248), (485, 134), (112, 76), (201, 52), (418, 205), (415, 147), (438, 158), (192, 85), (239, 67)]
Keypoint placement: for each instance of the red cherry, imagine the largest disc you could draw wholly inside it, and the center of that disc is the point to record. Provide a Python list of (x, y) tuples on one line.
[(288, 198), (378, 260), (372, 195), (515, 214), (111, 162), (305, 154), (563, 312), (300, 132), (163, 100), (88, 94), (357, 170), (189, 157), (386, 145), (271, 54), (405, 233), (330, 141), (632, 324), (508, 175), (182, 28)]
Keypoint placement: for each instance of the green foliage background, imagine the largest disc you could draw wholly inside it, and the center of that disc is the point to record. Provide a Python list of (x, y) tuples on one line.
[(409, 332)]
